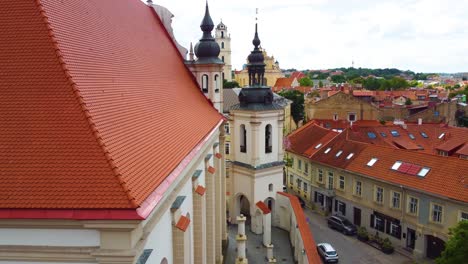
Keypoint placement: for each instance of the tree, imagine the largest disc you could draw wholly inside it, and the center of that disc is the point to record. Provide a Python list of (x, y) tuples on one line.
[(456, 248), (338, 79), (306, 81), (408, 101), (232, 84), (297, 106), (320, 84)]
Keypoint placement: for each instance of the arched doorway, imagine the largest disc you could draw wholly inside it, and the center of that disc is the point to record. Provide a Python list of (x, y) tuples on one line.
[(241, 206), (270, 202)]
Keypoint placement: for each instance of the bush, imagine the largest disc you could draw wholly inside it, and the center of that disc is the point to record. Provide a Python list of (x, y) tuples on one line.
[(387, 246), (362, 233)]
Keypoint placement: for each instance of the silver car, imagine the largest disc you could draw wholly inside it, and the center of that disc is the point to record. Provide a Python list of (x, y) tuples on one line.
[(327, 252)]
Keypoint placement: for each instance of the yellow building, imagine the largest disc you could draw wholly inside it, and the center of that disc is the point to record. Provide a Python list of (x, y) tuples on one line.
[(272, 72), (408, 197)]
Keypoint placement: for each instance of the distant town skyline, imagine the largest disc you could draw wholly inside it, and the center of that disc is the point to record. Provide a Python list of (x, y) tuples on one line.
[(417, 35)]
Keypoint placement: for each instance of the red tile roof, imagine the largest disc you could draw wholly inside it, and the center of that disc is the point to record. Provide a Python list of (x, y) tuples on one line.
[(263, 207), (405, 143), (304, 140), (94, 112), (304, 229), (447, 176), (218, 155), (298, 75), (283, 83), (200, 190), (211, 170), (463, 150), (452, 144), (183, 223)]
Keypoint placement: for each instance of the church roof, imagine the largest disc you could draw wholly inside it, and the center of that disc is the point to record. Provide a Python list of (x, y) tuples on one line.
[(96, 104)]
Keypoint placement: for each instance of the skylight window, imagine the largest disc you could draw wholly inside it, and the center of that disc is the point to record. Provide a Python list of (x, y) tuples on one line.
[(383, 134), (395, 133), (371, 135), (423, 172), (424, 135), (318, 146), (350, 156), (441, 135), (339, 153), (327, 150), (411, 136), (372, 162), (396, 165)]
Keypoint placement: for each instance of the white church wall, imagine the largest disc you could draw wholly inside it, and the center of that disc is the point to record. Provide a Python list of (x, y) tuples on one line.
[(49, 237)]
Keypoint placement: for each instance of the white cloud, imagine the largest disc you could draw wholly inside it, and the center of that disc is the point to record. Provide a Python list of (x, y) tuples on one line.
[(420, 35)]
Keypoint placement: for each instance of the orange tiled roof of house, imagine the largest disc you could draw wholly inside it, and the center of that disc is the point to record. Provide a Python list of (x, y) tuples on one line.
[(283, 83), (309, 139), (98, 108), (463, 150), (298, 75), (446, 177)]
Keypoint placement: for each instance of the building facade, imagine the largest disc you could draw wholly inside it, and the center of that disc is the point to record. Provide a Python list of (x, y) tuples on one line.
[(223, 38), (411, 198), (272, 72)]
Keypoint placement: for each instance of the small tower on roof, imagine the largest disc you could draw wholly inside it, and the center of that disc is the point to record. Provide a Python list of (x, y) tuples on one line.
[(207, 67), (223, 38), (256, 127)]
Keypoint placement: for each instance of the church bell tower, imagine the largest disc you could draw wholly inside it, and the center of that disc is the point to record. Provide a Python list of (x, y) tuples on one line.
[(223, 38)]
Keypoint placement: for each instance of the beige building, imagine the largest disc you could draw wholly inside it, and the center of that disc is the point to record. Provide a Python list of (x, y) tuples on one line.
[(272, 72), (341, 106), (223, 38)]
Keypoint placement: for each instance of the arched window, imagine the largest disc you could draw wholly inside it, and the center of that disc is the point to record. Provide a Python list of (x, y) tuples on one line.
[(204, 83), (222, 35), (243, 139), (222, 58), (222, 45), (268, 147), (216, 83), (270, 187)]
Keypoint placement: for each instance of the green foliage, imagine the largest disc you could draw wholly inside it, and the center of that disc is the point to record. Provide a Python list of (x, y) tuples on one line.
[(297, 106), (288, 162), (306, 81), (395, 83), (338, 79), (232, 84), (456, 248), (387, 244), (320, 84), (408, 101), (362, 232)]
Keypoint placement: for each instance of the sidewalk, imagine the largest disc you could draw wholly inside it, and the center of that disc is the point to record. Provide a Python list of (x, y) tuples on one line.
[(256, 252)]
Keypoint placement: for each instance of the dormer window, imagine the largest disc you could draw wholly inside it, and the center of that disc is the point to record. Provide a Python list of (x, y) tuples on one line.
[(441, 136), (327, 150)]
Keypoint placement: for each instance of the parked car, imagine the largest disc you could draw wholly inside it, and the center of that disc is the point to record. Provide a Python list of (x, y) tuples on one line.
[(342, 224), (327, 252)]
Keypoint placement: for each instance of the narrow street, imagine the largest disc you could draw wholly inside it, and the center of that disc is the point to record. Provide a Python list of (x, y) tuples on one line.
[(350, 250)]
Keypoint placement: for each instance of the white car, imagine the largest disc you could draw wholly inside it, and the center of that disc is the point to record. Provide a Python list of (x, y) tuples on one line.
[(327, 252)]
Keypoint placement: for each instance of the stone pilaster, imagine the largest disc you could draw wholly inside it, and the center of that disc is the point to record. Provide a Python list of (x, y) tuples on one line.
[(241, 239), (266, 229), (199, 223), (210, 212)]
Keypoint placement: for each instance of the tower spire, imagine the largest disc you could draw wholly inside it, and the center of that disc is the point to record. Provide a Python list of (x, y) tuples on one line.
[(207, 50), (191, 58), (256, 65)]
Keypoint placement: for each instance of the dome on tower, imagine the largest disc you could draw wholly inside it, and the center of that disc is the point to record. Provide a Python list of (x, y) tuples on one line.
[(221, 25), (207, 50)]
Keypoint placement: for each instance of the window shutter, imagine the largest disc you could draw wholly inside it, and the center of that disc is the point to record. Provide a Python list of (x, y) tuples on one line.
[(372, 220)]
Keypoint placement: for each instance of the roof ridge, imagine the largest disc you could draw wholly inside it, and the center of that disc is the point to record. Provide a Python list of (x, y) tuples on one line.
[(82, 104)]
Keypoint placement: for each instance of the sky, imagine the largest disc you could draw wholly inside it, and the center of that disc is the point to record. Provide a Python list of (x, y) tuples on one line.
[(417, 35)]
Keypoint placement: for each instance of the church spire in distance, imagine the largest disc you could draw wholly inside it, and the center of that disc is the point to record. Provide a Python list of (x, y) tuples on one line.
[(256, 65)]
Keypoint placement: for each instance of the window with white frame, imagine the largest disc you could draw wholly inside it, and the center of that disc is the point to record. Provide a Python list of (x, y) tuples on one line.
[(463, 216), (305, 187), (226, 128), (379, 194), (396, 197), (320, 175), (306, 168), (270, 187), (299, 164), (437, 213), (299, 183), (227, 148), (291, 179), (358, 188), (330, 180), (412, 205), (395, 230), (351, 117), (342, 183)]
